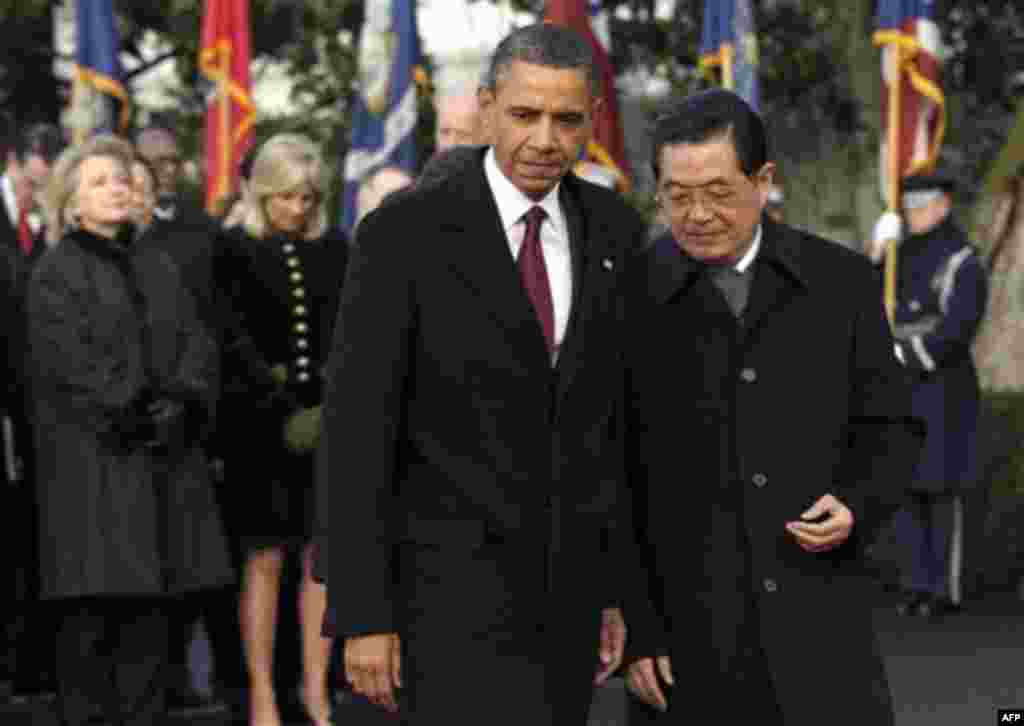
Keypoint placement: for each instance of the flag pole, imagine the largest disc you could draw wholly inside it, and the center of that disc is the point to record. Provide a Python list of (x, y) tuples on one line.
[(893, 191), (78, 124), (221, 190), (728, 75)]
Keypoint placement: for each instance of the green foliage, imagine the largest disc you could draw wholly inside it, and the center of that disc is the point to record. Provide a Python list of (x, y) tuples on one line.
[(1001, 431), (23, 8)]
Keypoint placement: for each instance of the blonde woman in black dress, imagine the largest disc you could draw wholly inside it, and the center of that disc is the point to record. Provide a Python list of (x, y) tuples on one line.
[(278, 274)]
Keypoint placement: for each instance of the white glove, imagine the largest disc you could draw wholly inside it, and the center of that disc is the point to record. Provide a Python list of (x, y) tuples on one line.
[(889, 226)]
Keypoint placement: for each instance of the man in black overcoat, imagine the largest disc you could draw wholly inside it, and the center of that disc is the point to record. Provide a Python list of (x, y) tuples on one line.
[(769, 435), (470, 451), (183, 230), (29, 152)]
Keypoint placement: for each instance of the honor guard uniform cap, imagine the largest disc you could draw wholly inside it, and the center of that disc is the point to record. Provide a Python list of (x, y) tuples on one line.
[(921, 189)]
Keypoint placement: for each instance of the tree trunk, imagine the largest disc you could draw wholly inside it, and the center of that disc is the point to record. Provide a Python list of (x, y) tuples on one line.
[(999, 347), (834, 192)]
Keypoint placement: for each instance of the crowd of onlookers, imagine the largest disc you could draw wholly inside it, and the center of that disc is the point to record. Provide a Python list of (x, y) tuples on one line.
[(162, 380)]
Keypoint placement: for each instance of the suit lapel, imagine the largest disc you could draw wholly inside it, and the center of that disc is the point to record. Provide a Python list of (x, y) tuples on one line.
[(777, 278), (8, 233), (580, 245), (481, 258)]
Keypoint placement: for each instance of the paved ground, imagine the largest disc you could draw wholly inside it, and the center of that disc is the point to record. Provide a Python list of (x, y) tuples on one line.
[(955, 672)]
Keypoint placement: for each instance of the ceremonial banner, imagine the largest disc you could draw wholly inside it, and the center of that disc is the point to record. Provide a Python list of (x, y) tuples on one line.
[(729, 43), (911, 78), (913, 106), (224, 56), (385, 110), (607, 147), (98, 86)]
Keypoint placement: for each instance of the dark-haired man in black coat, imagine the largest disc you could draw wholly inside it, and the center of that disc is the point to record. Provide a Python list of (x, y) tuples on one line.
[(29, 152), (470, 419), (769, 430)]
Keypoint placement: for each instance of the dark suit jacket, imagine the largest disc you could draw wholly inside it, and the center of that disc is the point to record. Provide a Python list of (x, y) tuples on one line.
[(448, 432), (735, 431), (12, 326), (9, 238), (189, 240)]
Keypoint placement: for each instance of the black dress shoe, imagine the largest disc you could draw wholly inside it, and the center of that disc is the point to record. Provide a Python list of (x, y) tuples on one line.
[(910, 604), (927, 608), (936, 607), (188, 702), (36, 694)]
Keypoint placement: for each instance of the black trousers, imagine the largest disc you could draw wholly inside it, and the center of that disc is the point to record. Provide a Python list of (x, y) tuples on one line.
[(111, 655), (218, 609)]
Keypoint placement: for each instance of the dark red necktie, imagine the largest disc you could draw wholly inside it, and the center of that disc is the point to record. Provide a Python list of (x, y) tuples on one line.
[(535, 274), (24, 232)]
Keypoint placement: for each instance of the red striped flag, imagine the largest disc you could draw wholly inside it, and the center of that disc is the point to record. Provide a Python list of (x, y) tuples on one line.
[(911, 53), (607, 147), (224, 58)]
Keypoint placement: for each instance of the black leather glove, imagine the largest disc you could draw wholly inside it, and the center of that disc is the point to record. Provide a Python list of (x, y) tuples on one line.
[(169, 419), (129, 428)]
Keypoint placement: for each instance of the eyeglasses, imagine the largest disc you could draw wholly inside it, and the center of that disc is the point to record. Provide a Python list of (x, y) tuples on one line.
[(682, 202)]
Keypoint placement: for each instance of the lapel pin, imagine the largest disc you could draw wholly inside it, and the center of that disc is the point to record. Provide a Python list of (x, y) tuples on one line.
[(608, 264)]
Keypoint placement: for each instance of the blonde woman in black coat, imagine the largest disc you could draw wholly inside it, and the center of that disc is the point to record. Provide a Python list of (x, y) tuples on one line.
[(278, 274)]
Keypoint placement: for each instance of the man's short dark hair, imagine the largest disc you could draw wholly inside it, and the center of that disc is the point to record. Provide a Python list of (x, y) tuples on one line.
[(245, 164), (543, 44), (8, 132), (445, 164), (710, 115), (138, 158), (158, 126), (40, 139)]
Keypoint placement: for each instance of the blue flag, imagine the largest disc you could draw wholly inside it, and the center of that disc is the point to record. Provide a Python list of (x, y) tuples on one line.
[(98, 78), (729, 42), (384, 113)]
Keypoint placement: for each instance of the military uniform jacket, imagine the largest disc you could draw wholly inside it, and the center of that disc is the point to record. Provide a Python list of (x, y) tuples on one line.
[(941, 295)]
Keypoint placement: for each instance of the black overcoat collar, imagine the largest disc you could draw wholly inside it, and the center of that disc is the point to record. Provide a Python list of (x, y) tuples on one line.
[(780, 273)]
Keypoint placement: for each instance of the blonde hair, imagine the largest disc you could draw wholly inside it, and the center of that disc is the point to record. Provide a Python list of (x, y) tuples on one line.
[(64, 178), (284, 162)]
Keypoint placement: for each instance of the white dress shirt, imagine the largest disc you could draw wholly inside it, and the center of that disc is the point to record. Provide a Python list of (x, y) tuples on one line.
[(554, 237)]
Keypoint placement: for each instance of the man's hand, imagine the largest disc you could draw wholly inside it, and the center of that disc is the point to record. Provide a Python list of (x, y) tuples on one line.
[(613, 643), (826, 534), (642, 681), (373, 667)]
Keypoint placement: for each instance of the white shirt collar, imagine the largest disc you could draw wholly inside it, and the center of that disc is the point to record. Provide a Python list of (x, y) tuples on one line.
[(35, 221), (513, 204), (10, 199), (166, 211), (751, 254)]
